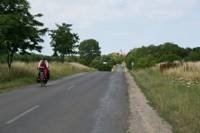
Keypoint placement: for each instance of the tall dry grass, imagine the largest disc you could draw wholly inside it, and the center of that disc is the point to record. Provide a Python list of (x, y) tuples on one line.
[(188, 71), (177, 101), (26, 73)]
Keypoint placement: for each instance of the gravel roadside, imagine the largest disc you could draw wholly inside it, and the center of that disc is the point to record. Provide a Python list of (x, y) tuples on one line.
[(143, 118)]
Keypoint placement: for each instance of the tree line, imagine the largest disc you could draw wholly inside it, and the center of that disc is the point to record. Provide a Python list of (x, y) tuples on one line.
[(147, 56), (21, 33)]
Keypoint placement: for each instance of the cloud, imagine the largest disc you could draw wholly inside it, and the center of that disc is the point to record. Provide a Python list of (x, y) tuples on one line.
[(119, 22), (90, 12)]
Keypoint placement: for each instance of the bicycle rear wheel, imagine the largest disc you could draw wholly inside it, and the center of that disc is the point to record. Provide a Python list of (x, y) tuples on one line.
[(42, 83)]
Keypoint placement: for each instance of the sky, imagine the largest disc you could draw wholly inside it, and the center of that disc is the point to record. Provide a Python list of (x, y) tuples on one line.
[(124, 24)]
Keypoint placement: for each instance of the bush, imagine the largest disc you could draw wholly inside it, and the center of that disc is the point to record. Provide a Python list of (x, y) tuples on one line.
[(169, 57), (193, 56), (148, 56), (100, 64)]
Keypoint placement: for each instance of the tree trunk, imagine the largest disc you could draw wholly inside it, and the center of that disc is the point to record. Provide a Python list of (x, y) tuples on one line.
[(63, 58), (9, 60)]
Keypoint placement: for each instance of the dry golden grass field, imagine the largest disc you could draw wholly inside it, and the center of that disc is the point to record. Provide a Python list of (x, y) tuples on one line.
[(26, 73), (188, 71), (175, 94)]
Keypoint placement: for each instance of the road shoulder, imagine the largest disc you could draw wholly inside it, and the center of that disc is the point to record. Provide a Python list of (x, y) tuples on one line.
[(143, 119)]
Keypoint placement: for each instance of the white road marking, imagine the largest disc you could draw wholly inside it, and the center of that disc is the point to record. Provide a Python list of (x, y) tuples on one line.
[(21, 115), (70, 88)]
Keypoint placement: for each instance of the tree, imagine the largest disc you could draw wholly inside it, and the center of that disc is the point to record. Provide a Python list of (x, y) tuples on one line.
[(102, 63), (108, 62), (19, 29), (194, 54), (170, 57), (97, 63), (63, 40), (89, 50), (2, 54), (116, 58), (170, 52)]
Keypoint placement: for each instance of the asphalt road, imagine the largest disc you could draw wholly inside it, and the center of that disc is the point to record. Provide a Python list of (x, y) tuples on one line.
[(84, 103)]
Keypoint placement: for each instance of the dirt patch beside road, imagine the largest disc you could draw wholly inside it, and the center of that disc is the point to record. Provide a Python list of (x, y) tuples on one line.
[(143, 118)]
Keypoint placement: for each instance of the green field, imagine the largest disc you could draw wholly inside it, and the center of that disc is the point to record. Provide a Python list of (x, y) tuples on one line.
[(26, 73), (177, 101)]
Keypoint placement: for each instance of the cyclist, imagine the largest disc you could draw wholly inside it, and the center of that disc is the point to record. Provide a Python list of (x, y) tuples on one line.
[(45, 66)]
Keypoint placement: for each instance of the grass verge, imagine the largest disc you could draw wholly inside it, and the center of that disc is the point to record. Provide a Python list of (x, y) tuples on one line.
[(24, 74), (176, 101)]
